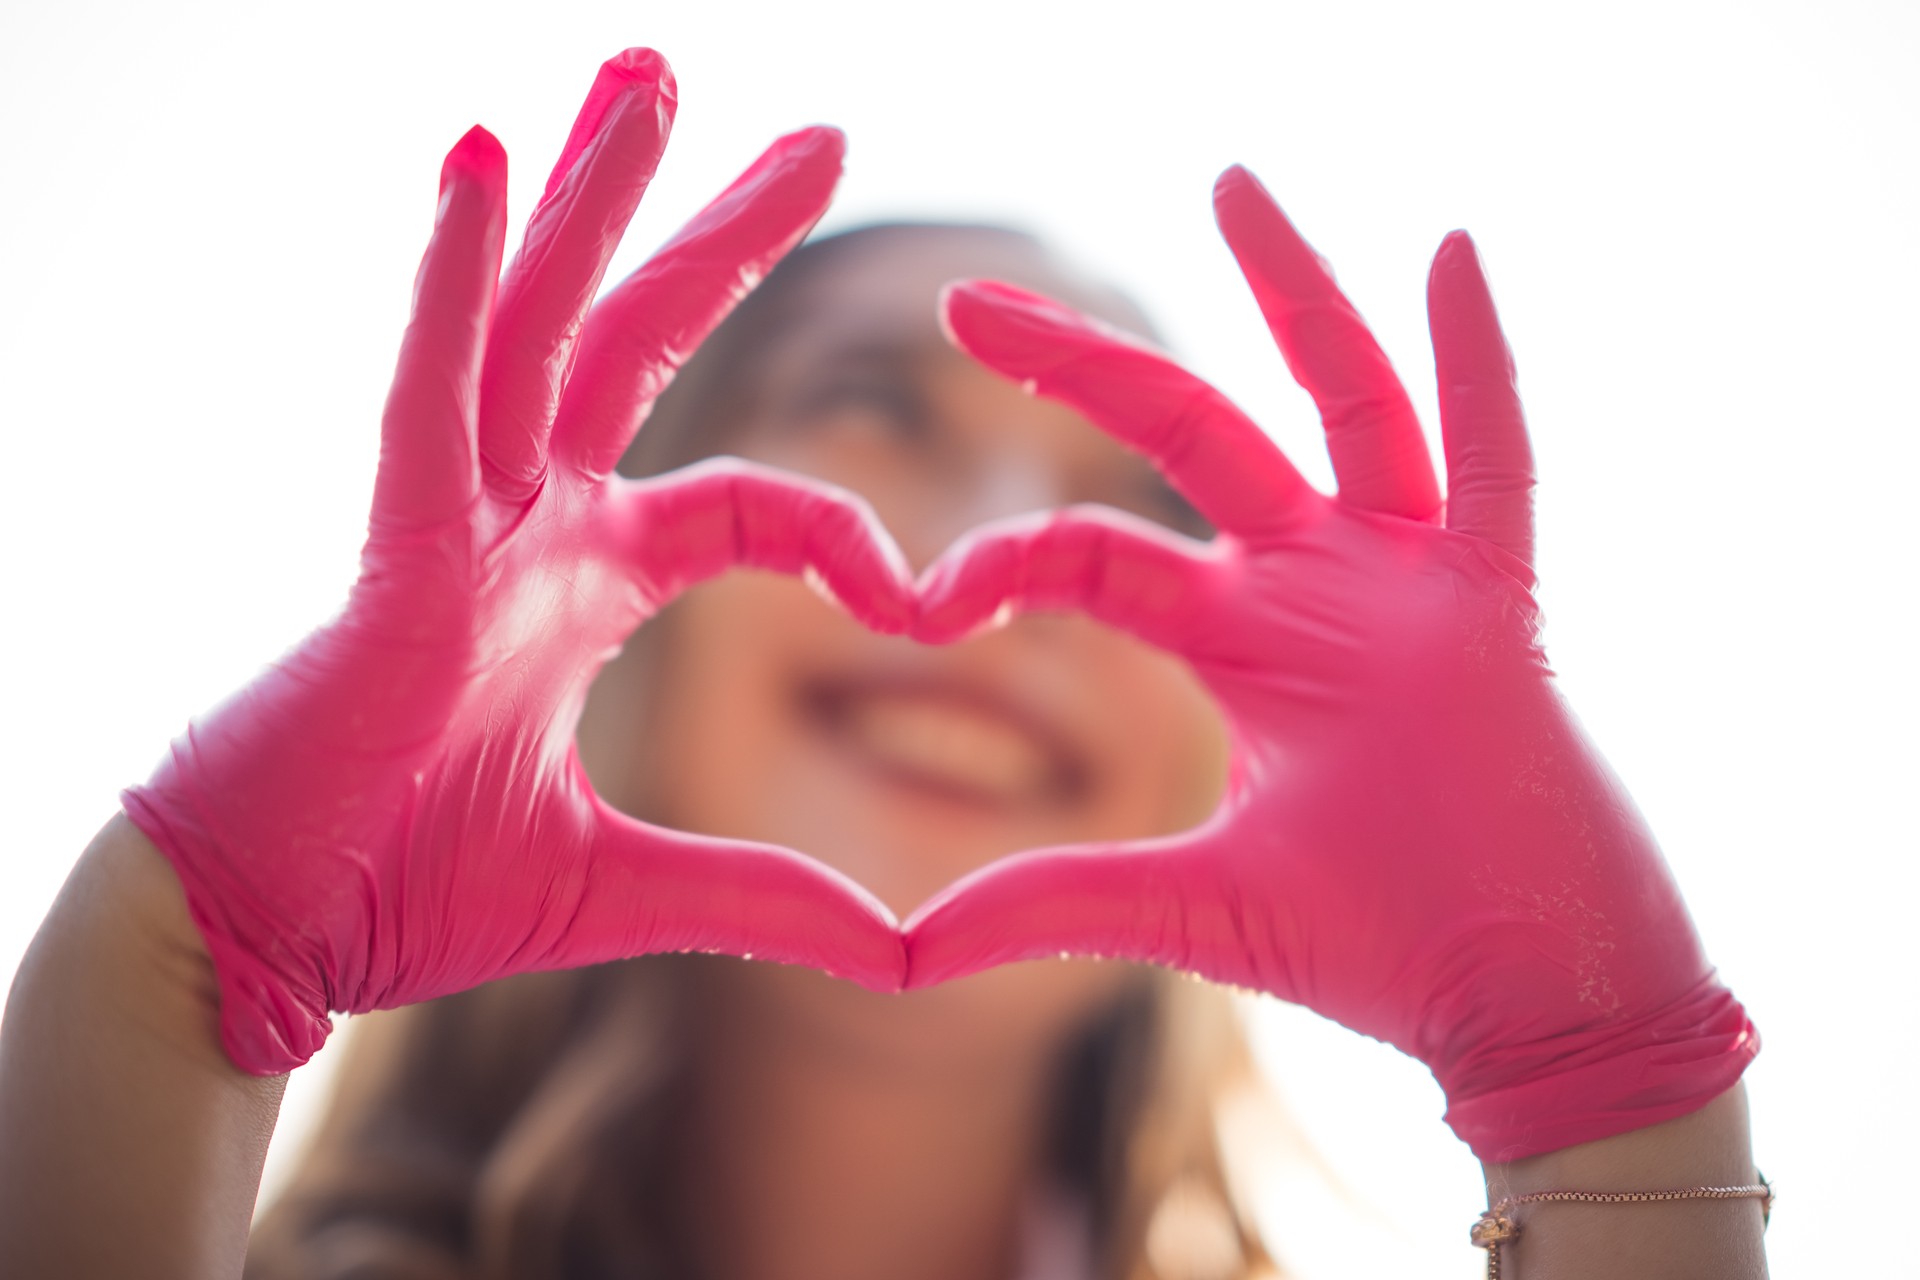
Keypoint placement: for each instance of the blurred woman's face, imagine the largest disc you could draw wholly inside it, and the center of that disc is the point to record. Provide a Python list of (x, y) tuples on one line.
[(774, 717)]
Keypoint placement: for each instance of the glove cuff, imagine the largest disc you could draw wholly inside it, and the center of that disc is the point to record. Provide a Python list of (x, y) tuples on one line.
[(271, 1020), (1611, 1080)]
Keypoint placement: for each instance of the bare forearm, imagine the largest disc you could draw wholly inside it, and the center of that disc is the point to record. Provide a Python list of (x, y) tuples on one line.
[(1678, 1240), (129, 1145)]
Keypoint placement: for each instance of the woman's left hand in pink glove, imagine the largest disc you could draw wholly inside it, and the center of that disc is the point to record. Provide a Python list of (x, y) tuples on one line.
[(1417, 839)]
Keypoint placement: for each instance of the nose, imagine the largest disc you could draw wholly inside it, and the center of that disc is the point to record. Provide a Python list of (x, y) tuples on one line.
[(1010, 482)]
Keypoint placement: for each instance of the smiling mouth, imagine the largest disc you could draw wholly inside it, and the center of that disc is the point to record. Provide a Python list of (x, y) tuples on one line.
[(951, 743)]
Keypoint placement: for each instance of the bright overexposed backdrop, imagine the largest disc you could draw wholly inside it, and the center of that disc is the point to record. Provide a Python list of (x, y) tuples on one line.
[(1700, 221)]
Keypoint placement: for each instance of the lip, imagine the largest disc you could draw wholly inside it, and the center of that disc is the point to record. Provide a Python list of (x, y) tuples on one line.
[(829, 703)]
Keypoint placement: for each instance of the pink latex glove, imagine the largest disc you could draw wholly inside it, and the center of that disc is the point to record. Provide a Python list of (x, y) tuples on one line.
[(395, 810), (1417, 840)]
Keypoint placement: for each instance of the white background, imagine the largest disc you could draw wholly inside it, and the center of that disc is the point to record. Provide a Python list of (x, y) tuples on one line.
[(1699, 218)]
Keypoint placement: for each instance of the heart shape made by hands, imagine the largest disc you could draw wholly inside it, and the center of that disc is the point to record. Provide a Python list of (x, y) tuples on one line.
[(1416, 838), (505, 562)]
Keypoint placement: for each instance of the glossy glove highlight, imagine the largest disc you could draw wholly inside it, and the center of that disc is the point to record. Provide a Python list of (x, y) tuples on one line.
[(1417, 839), (395, 810)]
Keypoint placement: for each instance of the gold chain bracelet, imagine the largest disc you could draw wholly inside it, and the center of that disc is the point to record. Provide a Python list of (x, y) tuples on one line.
[(1497, 1227)]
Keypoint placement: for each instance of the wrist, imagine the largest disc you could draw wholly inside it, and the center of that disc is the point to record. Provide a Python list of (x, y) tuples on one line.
[(1707, 1147), (1705, 1238), (129, 1143), (125, 909), (140, 885)]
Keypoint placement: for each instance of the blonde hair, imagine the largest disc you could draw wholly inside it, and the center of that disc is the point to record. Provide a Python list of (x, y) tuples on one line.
[(529, 1128)]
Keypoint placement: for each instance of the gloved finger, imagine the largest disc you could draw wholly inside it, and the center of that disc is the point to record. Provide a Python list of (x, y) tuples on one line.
[(653, 890), (610, 158), (1210, 451), (1117, 902), (1125, 571), (698, 522), (1490, 476), (642, 332), (1373, 435), (428, 470)]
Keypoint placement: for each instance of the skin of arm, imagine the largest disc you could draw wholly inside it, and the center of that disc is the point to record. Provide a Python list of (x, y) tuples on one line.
[(129, 1144), (1674, 1240)]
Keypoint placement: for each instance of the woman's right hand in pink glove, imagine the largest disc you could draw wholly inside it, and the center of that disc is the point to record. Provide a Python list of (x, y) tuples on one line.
[(1417, 840), (395, 810)]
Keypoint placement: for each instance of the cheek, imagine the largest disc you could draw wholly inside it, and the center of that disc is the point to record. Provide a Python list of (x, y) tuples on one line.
[(1163, 745), (720, 712)]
